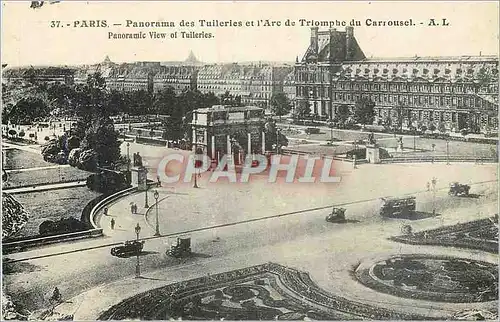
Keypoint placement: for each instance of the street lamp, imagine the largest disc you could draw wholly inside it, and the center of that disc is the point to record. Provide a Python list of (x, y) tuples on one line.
[(434, 182), (447, 152), (195, 185), (157, 195), (278, 131), (138, 265), (146, 193), (433, 149), (330, 124), (414, 140), (128, 156)]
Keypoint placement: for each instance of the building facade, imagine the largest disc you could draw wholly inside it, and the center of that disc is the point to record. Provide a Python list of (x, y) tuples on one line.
[(254, 83), (231, 131), (451, 92)]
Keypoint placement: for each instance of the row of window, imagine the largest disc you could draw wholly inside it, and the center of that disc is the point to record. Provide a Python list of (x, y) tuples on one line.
[(397, 87)]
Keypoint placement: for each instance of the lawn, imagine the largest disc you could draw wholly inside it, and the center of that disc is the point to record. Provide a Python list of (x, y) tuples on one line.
[(53, 205), (19, 159), (47, 176)]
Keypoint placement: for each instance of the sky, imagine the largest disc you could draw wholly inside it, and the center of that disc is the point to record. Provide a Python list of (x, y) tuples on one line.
[(28, 39)]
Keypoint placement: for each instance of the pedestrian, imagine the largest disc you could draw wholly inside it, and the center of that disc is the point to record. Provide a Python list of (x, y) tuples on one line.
[(135, 208), (159, 182), (106, 211), (112, 223), (132, 208), (56, 295)]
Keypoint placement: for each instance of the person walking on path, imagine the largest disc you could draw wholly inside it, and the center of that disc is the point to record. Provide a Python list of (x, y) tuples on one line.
[(112, 223), (106, 211), (56, 295)]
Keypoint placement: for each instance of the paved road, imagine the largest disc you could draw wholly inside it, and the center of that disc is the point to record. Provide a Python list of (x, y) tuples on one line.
[(302, 240)]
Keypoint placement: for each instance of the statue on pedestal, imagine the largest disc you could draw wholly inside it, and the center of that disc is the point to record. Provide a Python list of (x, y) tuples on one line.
[(137, 160), (371, 139), (400, 144)]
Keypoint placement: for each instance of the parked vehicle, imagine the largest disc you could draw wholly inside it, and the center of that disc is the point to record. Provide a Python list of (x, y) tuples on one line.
[(336, 216), (395, 207), (312, 130), (457, 189), (129, 248), (181, 247)]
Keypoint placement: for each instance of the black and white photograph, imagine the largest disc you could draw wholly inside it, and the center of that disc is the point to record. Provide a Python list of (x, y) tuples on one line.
[(249, 160)]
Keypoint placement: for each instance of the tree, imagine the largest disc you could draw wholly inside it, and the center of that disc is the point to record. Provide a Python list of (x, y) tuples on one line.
[(102, 138), (280, 105), (14, 216), (229, 99), (342, 115), (364, 112), (12, 132), (275, 140), (165, 101), (302, 110)]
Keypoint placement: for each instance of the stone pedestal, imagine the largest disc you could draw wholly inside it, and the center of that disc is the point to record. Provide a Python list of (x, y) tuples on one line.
[(263, 142), (139, 178), (372, 154), (213, 147)]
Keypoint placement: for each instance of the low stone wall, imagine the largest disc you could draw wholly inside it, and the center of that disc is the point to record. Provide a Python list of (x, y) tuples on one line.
[(89, 214)]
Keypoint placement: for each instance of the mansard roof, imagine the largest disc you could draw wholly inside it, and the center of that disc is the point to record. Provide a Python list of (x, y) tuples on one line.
[(431, 69)]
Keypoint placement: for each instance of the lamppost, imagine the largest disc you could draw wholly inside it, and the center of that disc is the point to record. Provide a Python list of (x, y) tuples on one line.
[(414, 140), (157, 195), (330, 124), (146, 193), (138, 265), (278, 131), (447, 152), (434, 182), (195, 185), (128, 157), (433, 149)]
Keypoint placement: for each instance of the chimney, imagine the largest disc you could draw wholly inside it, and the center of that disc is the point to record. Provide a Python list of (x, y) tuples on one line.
[(314, 39), (333, 43), (349, 43)]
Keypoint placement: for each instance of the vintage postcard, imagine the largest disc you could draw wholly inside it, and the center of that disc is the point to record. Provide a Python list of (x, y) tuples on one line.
[(231, 160)]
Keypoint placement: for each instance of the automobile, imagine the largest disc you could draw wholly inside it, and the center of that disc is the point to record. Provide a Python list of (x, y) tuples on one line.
[(457, 189), (395, 207), (312, 130), (129, 248), (336, 216), (180, 248)]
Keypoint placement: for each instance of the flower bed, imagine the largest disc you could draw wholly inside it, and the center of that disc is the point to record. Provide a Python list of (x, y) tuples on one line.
[(264, 292)]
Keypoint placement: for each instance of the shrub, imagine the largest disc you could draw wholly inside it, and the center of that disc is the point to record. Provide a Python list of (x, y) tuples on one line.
[(46, 138), (62, 226), (107, 182), (74, 157), (88, 160)]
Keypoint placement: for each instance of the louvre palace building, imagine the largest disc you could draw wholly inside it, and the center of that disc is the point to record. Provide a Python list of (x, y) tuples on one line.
[(457, 92)]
